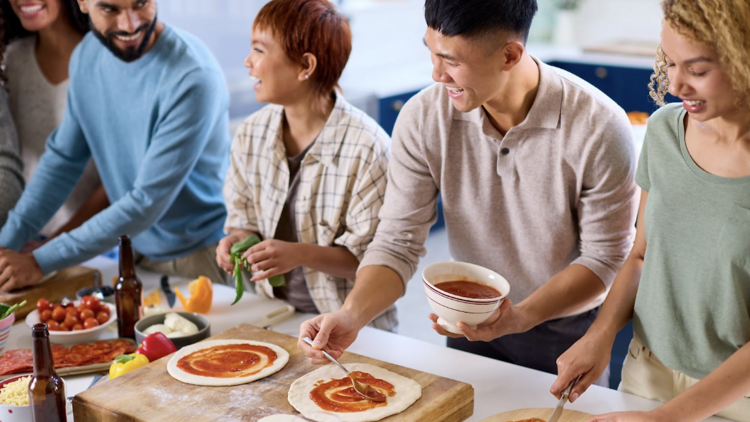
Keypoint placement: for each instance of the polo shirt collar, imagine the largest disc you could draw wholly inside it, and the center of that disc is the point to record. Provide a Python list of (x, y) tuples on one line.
[(545, 112)]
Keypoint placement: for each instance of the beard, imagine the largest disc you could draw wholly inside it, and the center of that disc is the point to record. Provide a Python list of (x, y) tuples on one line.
[(129, 54)]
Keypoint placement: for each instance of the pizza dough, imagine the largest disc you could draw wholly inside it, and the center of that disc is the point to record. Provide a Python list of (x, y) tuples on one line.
[(408, 391), (282, 357)]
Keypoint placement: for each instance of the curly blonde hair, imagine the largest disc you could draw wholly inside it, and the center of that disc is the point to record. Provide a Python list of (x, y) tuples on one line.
[(722, 24)]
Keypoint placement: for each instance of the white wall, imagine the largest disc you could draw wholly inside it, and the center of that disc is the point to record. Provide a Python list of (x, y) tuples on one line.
[(599, 21)]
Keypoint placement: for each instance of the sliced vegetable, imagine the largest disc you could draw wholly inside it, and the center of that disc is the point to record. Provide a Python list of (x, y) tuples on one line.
[(126, 363), (201, 296), (153, 299), (236, 258), (6, 310), (156, 346)]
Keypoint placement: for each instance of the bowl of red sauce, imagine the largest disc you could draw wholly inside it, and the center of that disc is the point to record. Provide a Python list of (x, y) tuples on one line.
[(463, 292)]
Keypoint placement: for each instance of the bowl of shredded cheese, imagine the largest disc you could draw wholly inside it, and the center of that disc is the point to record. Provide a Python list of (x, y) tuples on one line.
[(14, 399)]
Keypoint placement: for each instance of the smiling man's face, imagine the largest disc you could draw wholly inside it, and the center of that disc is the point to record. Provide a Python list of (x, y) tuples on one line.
[(468, 68), (125, 27)]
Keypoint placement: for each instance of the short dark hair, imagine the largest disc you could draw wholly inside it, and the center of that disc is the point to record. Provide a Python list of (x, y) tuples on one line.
[(472, 18), (14, 29)]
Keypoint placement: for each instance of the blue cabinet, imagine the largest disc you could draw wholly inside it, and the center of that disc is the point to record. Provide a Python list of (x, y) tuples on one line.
[(389, 107), (627, 86)]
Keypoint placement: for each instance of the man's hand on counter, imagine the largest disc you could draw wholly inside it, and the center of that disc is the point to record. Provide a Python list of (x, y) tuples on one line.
[(18, 270), (334, 332)]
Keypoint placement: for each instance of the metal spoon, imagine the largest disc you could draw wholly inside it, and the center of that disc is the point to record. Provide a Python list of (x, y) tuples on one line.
[(364, 390)]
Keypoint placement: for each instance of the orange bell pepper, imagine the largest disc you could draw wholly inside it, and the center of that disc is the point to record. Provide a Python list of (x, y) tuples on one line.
[(154, 298), (201, 296)]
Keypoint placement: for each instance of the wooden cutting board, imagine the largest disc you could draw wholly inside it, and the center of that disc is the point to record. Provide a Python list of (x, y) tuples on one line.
[(521, 414), (151, 394), (63, 283)]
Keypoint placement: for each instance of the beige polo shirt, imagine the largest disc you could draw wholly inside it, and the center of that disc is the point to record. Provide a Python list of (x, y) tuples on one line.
[(555, 190)]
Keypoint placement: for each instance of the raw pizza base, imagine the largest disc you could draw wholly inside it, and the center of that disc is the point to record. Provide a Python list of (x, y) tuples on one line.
[(180, 375), (408, 391)]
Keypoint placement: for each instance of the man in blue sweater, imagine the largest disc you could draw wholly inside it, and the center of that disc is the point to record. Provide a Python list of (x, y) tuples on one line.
[(149, 103)]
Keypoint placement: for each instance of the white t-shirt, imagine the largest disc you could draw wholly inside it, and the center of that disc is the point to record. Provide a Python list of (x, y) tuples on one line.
[(37, 108)]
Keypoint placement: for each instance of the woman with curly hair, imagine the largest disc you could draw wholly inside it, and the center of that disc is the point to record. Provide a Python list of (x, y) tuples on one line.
[(39, 38), (686, 283)]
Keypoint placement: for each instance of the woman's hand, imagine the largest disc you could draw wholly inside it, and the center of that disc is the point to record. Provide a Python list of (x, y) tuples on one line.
[(588, 357), (274, 257), (222, 251)]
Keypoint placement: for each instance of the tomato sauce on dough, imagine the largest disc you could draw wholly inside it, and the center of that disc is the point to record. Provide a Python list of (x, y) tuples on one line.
[(228, 361), (338, 395)]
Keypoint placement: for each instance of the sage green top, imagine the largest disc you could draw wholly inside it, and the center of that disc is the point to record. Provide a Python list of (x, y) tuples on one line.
[(693, 304)]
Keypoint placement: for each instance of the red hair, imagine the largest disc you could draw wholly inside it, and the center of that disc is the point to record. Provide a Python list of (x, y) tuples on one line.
[(310, 26)]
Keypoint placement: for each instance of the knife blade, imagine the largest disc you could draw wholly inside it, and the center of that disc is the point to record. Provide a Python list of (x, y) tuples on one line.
[(171, 297), (555, 416)]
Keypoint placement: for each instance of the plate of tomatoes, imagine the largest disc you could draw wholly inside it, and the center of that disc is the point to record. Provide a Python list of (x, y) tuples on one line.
[(78, 322)]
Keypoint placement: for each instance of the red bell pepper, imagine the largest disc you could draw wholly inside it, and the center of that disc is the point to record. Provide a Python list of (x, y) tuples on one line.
[(156, 346)]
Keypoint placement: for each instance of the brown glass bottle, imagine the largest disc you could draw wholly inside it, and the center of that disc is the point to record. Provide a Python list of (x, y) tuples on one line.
[(128, 292), (46, 388)]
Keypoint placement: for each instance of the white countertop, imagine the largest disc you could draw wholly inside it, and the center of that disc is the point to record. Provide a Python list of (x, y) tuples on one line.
[(498, 386)]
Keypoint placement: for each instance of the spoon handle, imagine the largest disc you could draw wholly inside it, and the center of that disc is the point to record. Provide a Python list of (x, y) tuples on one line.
[(309, 341)]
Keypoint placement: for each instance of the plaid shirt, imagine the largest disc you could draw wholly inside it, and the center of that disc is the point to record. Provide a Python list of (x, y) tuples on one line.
[(341, 189)]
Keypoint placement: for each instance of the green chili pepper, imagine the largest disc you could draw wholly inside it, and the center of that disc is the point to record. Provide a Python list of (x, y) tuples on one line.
[(236, 258), (6, 310)]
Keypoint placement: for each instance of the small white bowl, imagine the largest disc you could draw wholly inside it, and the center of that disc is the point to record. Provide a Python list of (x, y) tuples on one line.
[(10, 413), (81, 336), (452, 309)]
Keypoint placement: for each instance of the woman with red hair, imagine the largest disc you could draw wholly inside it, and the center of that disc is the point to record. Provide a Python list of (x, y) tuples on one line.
[(308, 171)]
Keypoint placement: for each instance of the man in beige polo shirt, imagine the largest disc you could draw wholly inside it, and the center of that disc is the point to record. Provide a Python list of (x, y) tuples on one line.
[(536, 172)]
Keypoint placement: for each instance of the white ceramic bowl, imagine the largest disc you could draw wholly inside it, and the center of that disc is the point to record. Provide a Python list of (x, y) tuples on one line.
[(81, 336), (9, 413), (452, 309)]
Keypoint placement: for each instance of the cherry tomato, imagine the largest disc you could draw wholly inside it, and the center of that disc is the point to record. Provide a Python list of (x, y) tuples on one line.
[(58, 314), (64, 328), (77, 327), (86, 314), (91, 303), (53, 325), (45, 315), (70, 321), (42, 304), (71, 311), (90, 323), (102, 317)]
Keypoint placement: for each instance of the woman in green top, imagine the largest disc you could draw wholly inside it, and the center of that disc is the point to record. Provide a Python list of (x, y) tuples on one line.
[(686, 283)]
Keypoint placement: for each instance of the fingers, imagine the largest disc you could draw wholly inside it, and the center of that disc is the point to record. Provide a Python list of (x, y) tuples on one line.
[(266, 274), (257, 257), (440, 330)]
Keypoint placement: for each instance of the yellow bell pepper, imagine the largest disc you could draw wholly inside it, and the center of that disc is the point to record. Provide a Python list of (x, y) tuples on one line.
[(126, 363), (153, 299), (201, 296)]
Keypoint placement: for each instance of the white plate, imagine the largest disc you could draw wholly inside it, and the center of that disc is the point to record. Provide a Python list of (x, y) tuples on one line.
[(81, 336)]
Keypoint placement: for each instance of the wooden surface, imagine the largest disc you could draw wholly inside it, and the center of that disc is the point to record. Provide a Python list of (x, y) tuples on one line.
[(521, 414), (63, 283), (151, 394), (76, 370)]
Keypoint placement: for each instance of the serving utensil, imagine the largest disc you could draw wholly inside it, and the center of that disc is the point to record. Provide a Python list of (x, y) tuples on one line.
[(563, 399), (364, 390)]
